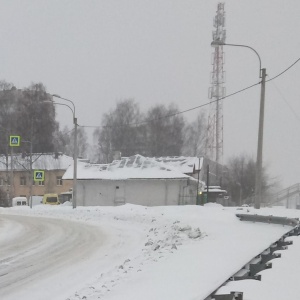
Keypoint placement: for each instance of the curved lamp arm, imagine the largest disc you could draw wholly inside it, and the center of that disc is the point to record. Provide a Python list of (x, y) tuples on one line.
[(218, 43), (57, 96)]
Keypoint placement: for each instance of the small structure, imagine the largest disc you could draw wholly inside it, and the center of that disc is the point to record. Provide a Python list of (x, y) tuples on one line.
[(215, 194), (136, 179)]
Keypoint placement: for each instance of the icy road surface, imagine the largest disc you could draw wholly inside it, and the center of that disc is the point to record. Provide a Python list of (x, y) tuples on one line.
[(47, 257)]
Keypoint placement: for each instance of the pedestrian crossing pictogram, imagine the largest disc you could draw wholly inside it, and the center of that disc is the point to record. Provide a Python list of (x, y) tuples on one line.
[(39, 175), (14, 140)]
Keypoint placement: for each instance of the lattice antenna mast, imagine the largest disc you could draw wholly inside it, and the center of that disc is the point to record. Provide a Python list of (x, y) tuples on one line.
[(214, 142)]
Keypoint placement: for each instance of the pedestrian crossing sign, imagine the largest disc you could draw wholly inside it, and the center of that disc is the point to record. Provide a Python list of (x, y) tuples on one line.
[(39, 175), (14, 140)]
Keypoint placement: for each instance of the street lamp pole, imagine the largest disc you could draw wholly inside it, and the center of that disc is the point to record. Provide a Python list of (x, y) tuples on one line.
[(31, 173), (75, 154), (258, 170), (75, 164)]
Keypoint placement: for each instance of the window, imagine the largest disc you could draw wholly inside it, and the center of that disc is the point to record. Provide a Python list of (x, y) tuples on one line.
[(41, 183), (59, 180), (23, 180), (2, 181)]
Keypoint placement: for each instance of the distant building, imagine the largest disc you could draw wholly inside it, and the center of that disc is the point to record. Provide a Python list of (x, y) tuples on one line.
[(54, 166), (194, 166), (204, 169), (136, 180)]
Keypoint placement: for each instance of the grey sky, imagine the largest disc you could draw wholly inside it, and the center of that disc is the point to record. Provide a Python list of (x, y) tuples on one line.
[(158, 51)]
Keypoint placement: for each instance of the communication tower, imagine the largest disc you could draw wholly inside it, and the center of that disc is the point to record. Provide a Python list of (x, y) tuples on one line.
[(214, 141)]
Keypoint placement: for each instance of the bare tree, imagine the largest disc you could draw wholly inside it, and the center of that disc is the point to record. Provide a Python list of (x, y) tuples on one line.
[(4, 85), (36, 118), (81, 141), (121, 131), (62, 140), (65, 141), (240, 180), (164, 131), (29, 114), (194, 137)]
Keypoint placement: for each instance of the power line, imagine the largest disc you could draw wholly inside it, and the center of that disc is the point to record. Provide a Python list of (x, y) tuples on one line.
[(283, 71), (286, 102), (203, 105), (181, 112), (279, 92)]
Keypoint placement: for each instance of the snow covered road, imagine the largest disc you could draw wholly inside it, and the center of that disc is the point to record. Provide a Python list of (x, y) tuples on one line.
[(126, 252), (38, 250)]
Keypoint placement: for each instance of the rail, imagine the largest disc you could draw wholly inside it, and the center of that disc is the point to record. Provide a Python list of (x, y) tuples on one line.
[(279, 197), (262, 260), (269, 219)]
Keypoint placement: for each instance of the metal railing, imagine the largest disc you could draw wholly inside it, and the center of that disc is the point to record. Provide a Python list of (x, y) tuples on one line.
[(285, 194), (281, 198), (269, 219)]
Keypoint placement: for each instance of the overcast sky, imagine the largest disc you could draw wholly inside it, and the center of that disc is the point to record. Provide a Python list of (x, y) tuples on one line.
[(158, 51)]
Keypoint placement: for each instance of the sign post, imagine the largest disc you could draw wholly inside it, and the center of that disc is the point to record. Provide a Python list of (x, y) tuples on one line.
[(14, 141)]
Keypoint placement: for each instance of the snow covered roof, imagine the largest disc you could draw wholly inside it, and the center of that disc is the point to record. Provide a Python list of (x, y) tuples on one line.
[(134, 167), (186, 165), (42, 161), (214, 189)]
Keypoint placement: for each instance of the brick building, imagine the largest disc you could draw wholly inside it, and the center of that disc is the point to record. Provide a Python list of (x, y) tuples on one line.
[(54, 166)]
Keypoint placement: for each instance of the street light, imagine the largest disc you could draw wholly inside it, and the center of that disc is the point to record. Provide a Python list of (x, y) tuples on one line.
[(31, 173), (262, 75), (75, 146)]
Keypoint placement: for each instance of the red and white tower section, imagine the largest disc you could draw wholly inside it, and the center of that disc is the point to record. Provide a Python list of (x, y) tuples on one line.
[(214, 142)]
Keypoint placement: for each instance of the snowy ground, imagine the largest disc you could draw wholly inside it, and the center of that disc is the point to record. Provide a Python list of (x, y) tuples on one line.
[(178, 253)]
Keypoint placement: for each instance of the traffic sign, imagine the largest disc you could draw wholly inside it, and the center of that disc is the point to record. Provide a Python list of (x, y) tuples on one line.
[(14, 140), (38, 175)]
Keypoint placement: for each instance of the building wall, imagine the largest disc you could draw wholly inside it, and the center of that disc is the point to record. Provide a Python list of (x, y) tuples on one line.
[(50, 184), (153, 192)]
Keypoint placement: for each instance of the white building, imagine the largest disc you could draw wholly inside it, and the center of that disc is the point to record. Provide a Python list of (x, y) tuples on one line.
[(136, 179)]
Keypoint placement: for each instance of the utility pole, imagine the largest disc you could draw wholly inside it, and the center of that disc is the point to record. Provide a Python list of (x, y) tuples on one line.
[(197, 197), (75, 164), (31, 176), (258, 171), (30, 173), (75, 155), (11, 173), (262, 75), (207, 184)]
